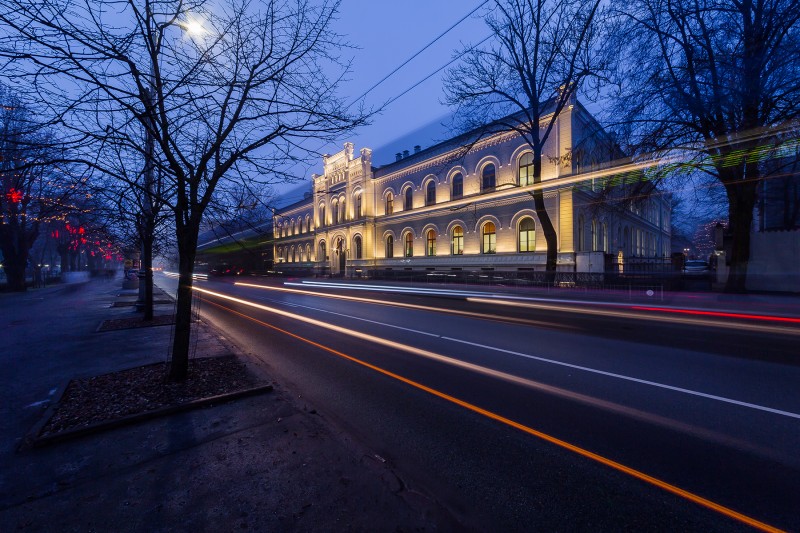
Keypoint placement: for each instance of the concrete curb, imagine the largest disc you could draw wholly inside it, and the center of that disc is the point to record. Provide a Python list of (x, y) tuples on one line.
[(33, 440)]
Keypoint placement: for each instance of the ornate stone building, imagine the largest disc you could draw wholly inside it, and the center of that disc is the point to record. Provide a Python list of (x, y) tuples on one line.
[(464, 206)]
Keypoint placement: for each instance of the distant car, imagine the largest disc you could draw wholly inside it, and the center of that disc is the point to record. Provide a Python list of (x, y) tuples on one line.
[(226, 271), (696, 268)]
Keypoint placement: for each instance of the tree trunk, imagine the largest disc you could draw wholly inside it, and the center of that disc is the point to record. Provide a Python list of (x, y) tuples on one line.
[(145, 302), (187, 246), (741, 201), (147, 263), (14, 266), (548, 229), (16, 246)]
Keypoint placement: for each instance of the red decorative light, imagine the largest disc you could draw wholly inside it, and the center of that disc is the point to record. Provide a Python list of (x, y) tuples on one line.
[(14, 196)]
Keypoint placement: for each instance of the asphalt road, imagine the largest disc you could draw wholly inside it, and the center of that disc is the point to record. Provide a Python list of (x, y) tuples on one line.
[(531, 414)]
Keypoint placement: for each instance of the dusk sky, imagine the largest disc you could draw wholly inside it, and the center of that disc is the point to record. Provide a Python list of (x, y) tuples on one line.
[(387, 34)]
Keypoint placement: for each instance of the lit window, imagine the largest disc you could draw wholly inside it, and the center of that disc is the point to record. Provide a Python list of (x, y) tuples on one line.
[(409, 245), (489, 238), (389, 204), (389, 246), (430, 193), (526, 169), (430, 250), (527, 235), (488, 177), (357, 246), (457, 243), (458, 186), (408, 199)]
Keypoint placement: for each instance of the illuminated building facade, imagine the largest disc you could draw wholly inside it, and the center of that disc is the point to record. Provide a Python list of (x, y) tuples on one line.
[(464, 205)]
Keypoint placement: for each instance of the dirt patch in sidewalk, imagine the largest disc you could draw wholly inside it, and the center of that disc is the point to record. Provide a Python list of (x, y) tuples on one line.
[(135, 322), (119, 395)]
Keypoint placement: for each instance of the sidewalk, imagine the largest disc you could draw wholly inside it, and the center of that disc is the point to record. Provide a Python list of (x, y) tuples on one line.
[(260, 463)]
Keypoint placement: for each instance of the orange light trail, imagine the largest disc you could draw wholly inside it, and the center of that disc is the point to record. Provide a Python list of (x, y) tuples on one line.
[(699, 500)]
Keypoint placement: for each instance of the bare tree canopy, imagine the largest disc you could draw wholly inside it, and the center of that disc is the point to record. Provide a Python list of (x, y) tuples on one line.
[(225, 90), (539, 55), (720, 80), (34, 191)]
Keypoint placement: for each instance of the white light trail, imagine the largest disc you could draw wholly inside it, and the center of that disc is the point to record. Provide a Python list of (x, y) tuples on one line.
[(491, 372)]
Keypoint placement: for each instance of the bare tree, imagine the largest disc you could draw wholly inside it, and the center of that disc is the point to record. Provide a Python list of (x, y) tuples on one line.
[(540, 54), (224, 90), (133, 194), (717, 81), (33, 190)]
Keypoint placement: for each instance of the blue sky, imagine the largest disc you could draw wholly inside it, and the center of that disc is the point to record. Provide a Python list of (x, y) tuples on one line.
[(386, 34)]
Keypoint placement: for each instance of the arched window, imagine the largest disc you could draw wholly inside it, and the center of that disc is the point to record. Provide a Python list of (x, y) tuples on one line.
[(526, 169), (357, 246), (409, 245), (342, 211), (358, 208), (595, 235), (457, 242), (527, 235), (294, 227), (294, 255), (430, 193), (335, 213), (409, 198), (488, 178), (322, 215), (389, 204), (604, 237), (458, 186), (581, 234), (389, 246), (322, 252), (308, 252), (489, 238), (280, 253), (430, 249)]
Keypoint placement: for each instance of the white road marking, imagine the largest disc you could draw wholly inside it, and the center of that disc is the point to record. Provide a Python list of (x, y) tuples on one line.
[(494, 348)]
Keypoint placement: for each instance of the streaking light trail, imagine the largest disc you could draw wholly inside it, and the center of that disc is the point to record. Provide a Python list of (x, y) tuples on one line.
[(726, 511), (198, 276), (545, 303), (700, 312), (488, 371), (622, 312), (480, 316)]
